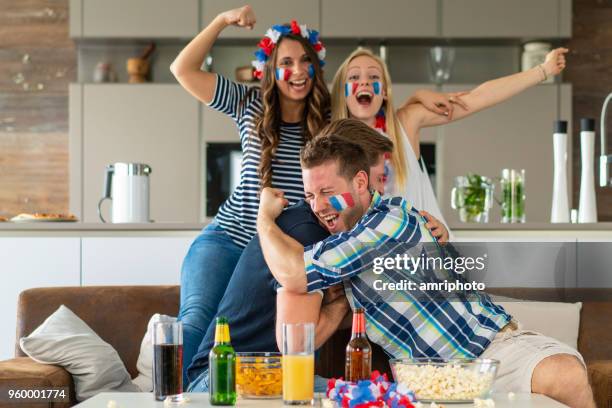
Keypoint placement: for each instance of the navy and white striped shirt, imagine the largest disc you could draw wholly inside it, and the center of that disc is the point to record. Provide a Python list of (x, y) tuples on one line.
[(238, 215)]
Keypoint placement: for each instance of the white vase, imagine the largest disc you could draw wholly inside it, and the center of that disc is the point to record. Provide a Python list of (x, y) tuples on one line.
[(560, 202), (587, 210)]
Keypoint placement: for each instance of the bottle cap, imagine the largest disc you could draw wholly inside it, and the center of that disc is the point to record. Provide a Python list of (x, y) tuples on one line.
[(587, 125), (560, 126), (221, 320)]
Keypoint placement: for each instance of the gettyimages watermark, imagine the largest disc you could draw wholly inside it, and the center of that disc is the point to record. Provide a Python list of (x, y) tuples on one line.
[(466, 271)]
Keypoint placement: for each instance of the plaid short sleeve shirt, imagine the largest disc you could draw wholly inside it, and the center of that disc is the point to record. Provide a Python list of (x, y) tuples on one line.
[(406, 323)]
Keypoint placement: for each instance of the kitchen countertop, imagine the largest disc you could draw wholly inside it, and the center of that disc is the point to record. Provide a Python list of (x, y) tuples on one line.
[(80, 226), (532, 226)]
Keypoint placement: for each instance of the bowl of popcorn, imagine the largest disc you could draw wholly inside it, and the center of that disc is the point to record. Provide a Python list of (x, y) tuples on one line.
[(446, 381), (259, 375)]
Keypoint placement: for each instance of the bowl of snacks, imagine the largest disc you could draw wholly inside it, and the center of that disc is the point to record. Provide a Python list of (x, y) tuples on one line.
[(259, 375), (446, 381)]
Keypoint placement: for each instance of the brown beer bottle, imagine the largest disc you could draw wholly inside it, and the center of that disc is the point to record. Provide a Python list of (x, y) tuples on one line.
[(358, 351)]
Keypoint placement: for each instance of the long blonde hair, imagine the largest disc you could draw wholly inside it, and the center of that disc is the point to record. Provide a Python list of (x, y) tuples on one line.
[(340, 111)]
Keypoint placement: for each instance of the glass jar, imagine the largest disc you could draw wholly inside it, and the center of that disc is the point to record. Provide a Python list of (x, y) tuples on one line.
[(472, 196), (513, 196)]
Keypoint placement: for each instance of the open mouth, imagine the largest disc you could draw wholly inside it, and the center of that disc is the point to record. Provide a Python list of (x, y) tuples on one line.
[(364, 98), (298, 85), (331, 220)]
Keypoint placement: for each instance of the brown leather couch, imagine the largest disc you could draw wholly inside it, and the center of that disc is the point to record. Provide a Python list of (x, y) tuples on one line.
[(120, 315)]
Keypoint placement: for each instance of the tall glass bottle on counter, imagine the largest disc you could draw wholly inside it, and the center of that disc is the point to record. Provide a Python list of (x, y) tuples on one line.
[(358, 351), (222, 367)]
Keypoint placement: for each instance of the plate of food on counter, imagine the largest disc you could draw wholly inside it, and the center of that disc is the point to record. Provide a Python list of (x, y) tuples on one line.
[(44, 217)]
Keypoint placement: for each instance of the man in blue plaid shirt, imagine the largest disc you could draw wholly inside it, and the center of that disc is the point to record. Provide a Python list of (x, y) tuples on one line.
[(406, 323)]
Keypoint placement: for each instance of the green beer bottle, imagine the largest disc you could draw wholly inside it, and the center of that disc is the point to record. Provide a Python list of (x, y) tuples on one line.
[(222, 367)]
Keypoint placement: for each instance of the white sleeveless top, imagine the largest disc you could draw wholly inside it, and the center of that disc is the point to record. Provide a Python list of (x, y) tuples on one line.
[(418, 191)]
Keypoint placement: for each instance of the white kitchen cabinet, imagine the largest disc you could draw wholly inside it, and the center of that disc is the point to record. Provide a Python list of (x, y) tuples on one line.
[(134, 18), (156, 124), (218, 127), (267, 12), (134, 260), (32, 263), (510, 135), (505, 19), (382, 18)]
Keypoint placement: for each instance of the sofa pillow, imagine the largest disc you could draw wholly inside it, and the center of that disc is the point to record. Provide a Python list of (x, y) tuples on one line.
[(144, 364), (65, 340), (561, 321)]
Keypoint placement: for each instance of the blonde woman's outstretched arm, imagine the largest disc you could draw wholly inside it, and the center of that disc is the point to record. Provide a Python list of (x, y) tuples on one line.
[(490, 93), (186, 68)]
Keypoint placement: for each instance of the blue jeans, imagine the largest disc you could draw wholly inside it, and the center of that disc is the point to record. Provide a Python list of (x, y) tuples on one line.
[(249, 301), (207, 269)]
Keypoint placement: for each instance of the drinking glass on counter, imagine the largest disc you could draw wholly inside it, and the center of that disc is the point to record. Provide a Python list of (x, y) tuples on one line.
[(441, 61), (298, 364), (168, 361), (513, 196), (472, 196)]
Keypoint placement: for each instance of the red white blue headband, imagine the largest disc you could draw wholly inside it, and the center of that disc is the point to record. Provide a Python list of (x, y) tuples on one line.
[(273, 35)]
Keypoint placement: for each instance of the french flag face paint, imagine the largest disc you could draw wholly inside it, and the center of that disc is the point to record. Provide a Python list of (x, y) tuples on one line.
[(342, 201), (283, 74), (350, 88), (377, 86)]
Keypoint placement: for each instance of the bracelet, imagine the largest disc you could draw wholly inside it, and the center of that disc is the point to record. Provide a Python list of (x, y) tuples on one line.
[(543, 72)]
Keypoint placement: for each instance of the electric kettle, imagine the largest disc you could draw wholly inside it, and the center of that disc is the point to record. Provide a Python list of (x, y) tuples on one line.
[(127, 186)]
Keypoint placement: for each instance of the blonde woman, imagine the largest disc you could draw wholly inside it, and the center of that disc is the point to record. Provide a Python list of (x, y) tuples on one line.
[(362, 89)]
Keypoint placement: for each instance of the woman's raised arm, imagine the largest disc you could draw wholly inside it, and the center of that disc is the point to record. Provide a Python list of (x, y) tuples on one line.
[(490, 93), (186, 67)]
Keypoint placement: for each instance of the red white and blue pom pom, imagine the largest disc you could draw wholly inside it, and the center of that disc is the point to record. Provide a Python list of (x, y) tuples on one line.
[(342, 201), (271, 38), (376, 392), (381, 120)]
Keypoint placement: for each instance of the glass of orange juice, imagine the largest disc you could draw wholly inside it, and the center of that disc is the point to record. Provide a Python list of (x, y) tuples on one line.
[(298, 364)]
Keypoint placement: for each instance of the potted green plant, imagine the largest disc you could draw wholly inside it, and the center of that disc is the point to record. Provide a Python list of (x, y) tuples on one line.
[(472, 196)]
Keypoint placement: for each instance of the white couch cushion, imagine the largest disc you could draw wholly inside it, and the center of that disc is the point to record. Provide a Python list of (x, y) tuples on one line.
[(144, 364), (558, 320), (64, 339)]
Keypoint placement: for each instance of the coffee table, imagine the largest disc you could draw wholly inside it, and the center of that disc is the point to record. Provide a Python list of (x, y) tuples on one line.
[(200, 400)]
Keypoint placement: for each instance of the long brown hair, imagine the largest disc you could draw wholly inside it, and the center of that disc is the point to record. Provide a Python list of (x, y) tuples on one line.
[(340, 111), (267, 125)]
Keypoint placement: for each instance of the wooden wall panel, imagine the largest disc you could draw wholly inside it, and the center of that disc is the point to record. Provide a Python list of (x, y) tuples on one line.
[(590, 72), (37, 62)]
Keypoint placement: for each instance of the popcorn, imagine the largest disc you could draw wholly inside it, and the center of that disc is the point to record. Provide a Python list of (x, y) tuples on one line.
[(484, 403), (449, 382), (511, 396), (112, 404)]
